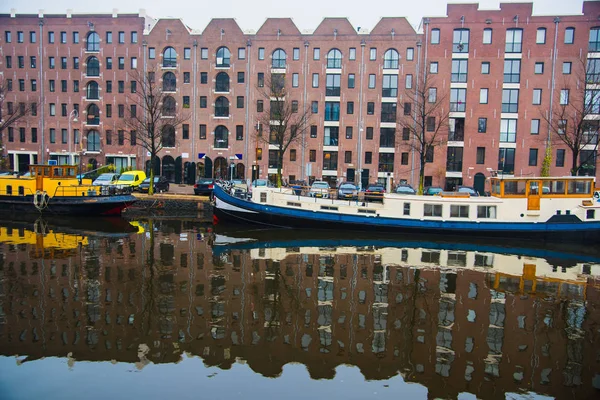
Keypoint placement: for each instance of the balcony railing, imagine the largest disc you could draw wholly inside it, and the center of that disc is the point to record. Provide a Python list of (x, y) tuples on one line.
[(456, 136)]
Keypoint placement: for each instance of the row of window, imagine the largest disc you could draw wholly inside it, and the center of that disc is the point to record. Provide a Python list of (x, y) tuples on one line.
[(461, 38), (92, 39), (512, 70), (92, 63), (514, 38), (279, 56)]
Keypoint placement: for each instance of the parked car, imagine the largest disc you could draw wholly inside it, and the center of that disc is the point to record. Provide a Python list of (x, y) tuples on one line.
[(106, 179), (204, 187), (319, 189), (347, 190), (131, 178), (467, 189), (432, 190), (404, 188), (161, 185), (374, 192)]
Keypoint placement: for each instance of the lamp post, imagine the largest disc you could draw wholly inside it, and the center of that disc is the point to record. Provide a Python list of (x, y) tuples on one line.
[(72, 117)]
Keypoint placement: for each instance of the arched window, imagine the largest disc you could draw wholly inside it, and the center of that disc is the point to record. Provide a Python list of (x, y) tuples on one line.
[(223, 57), (334, 59), (93, 141), (91, 91), (168, 136), (169, 82), (169, 57), (390, 59), (168, 106), (222, 82), (93, 42), (221, 137), (222, 107), (93, 115), (279, 57), (93, 67)]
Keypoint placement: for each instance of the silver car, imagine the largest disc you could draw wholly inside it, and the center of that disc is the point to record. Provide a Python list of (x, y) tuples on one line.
[(106, 179), (319, 189)]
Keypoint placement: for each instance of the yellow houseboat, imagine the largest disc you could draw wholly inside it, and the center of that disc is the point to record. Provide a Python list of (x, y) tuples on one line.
[(56, 190)]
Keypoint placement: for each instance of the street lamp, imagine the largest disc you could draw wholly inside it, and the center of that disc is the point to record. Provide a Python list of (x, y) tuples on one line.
[(72, 117)]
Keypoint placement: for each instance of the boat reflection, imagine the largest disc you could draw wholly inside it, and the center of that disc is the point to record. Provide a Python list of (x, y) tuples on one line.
[(451, 318)]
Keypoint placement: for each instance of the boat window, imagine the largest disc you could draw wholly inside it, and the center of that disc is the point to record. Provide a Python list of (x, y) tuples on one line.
[(21, 191), (486, 212), (263, 197), (553, 187), (406, 208), (496, 186), (458, 211), (579, 187), (9, 190), (432, 210), (514, 187), (47, 171), (533, 188), (71, 172), (590, 214)]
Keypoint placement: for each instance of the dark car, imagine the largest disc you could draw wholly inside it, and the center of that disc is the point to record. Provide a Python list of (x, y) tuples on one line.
[(161, 185), (404, 188), (432, 190), (467, 189), (204, 187), (347, 190), (374, 192)]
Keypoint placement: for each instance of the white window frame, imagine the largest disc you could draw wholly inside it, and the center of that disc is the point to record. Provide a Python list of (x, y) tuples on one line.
[(535, 127), (487, 36), (483, 95), (564, 97), (433, 67), (537, 97), (540, 36)]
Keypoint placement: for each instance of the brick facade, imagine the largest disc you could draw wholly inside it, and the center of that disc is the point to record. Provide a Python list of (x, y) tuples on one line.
[(359, 131)]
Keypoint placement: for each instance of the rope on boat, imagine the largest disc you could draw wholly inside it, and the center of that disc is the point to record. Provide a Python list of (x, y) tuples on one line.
[(40, 200)]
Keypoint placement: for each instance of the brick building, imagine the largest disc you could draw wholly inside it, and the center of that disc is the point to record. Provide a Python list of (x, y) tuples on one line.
[(498, 72)]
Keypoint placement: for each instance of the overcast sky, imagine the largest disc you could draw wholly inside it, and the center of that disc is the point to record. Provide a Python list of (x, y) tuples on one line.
[(250, 14)]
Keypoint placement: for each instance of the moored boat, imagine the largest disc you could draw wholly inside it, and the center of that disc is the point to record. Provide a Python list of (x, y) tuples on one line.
[(56, 190), (562, 208)]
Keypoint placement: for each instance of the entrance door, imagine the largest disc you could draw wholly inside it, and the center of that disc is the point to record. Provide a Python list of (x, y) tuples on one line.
[(533, 195), (23, 161), (479, 183), (350, 175), (364, 178)]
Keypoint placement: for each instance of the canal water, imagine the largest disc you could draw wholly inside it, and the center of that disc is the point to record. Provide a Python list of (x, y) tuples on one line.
[(159, 308)]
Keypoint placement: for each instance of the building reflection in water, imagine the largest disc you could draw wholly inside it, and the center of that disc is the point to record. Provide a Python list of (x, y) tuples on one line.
[(455, 321)]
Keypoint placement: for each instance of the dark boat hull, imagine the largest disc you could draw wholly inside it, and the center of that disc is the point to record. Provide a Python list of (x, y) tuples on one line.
[(234, 210), (68, 205)]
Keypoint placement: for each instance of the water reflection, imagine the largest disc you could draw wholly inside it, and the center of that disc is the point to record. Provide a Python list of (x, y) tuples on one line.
[(453, 317)]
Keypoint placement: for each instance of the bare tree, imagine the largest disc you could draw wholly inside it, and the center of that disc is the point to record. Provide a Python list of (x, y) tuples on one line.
[(427, 122), (572, 119), (286, 123), (10, 114), (155, 117)]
